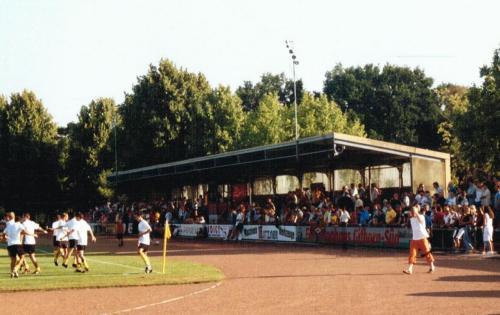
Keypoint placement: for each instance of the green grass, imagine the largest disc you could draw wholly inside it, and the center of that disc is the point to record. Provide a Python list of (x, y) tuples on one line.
[(106, 270)]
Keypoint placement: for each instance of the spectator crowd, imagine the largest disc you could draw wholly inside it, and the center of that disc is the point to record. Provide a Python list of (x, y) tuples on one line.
[(466, 207)]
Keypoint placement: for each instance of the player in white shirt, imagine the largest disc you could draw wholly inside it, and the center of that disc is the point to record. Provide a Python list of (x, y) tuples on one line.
[(419, 241), (29, 242), (12, 233), (144, 241), (72, 234), (61, 239), (82, 230), (55, 243)]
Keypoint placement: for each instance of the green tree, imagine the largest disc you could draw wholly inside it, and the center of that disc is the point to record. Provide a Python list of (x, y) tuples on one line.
[(318, 115), (251, 95), (267, 124), (478, 127), (395, 104), (29, 154), (91, 153), (454, 103), (165, 116), (227, 120)]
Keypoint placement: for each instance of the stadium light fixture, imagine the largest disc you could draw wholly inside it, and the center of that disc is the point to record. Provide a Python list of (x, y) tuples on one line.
[(295, 62)]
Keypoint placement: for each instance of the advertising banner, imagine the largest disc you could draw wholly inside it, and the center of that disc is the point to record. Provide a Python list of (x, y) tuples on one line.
[(189, 230), (364, 236), (219, 231), (270, 233)]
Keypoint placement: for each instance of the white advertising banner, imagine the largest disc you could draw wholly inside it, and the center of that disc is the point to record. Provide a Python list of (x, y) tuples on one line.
[(189, 230), (219, 231), (270, 233)]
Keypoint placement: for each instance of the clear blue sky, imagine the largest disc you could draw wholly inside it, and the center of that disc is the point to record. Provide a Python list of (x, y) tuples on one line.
[(69, 52)]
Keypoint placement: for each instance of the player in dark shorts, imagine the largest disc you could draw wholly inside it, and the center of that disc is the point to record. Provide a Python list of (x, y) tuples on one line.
[(12, 233), (144, 240), (29, 242)]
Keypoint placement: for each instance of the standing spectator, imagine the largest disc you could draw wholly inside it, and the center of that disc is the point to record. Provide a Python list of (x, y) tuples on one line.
[(478, 195), (438, 189), (471, 191), (497, 202), (488, 230), (452, 189), (374, 193), (361, 192), (358, 202), (238, 225), (406, 201), (353, 191), (485, 195)]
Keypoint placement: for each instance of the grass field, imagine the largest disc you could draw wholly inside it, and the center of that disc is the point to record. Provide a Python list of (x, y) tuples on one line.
[(106, 270)]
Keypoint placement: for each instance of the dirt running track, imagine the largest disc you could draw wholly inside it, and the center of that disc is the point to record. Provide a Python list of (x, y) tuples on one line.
[(283, 279)]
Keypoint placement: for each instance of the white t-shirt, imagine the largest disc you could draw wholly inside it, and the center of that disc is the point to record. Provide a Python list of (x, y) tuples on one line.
[(30, 227), (418, 229), (143, 227), (73, 225), (13, 231), (344, 216), (59, 228), (82, 230)]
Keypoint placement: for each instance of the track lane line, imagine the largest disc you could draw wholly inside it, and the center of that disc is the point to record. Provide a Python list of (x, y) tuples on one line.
[(174, 299)]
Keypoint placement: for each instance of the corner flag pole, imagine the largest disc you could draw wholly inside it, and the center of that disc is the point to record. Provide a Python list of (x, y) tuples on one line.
[(166, 236)]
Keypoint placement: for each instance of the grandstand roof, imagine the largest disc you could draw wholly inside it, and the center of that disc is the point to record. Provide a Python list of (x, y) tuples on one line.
[(318, 153)]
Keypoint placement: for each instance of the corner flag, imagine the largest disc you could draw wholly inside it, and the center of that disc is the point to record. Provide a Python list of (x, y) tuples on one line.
[(166, 235)]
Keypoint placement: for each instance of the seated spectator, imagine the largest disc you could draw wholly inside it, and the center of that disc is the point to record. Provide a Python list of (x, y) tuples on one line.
[(451, 200), (390, 216), (364, 216), (378, 216), (395, 202), (438, 217), (344, 217)]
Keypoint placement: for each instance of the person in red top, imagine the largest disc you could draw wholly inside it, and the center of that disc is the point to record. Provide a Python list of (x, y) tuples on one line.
[(438, 214)]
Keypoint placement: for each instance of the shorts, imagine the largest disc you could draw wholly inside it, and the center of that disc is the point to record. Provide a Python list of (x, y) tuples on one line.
[(81, 247), (72, 243), (29, 248), (15, 250), (119, 236), (144, 247), (55, 242), (63, 244)]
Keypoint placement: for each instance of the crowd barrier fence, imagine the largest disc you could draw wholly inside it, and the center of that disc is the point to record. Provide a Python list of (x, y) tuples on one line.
[(380, 237)]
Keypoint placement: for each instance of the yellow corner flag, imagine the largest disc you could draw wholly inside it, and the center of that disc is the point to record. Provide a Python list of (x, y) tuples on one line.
[(166, 235)]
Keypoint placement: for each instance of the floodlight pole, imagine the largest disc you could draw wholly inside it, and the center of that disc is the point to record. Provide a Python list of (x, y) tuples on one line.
[(116, 152), (289, 45), (295, 103)]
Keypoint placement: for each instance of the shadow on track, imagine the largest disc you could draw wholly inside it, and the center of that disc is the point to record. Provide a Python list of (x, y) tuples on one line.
[(460, 294)]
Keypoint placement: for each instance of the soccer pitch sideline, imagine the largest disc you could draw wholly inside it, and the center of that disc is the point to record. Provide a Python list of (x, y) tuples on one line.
[(106, 270)]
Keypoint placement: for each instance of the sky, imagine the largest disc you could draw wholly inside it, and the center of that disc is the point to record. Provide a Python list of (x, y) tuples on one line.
[(70, 52)]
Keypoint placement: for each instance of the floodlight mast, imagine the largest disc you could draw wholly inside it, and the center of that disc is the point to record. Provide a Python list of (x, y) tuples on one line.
[(289, 46)]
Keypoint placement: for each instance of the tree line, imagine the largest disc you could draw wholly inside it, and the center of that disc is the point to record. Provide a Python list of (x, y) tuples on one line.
[(173, 114)]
